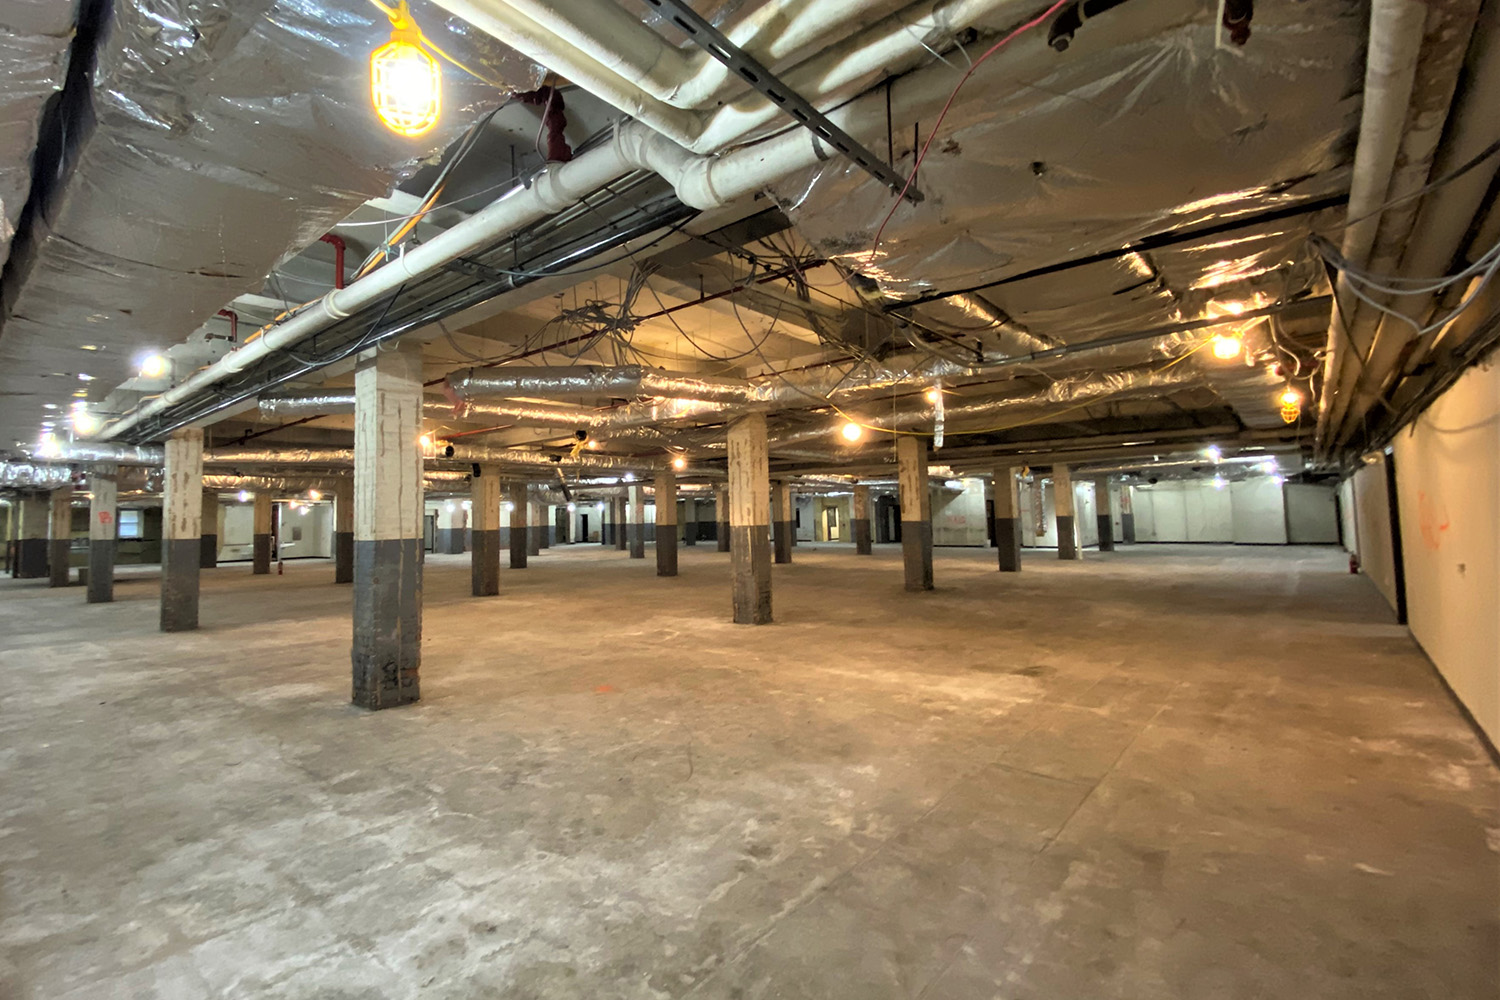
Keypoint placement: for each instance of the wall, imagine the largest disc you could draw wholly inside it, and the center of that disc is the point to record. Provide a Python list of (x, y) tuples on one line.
[(958, 517), (1252, 511), (1183, 511), (315, 523), (1369, 500), (1311, 514), (1257, 511), (1448, 493)]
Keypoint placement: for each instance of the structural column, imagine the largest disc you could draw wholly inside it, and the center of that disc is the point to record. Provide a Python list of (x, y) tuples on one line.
[(916, 511), (781, 511), (666, 524), (1008, 519), (208, 556), (637, 526), (182, 524), (721, 517), (484, 508), (622, 523), (690, 521), (607, 523), (31, 538), (260, 552), (343, 531), (1062, 505), (520, 537), (1101, 509), (862, 545), (61, 538), (535, 528), (387, 652), (544, 521), (749, 520), (1127, 514), (451, 525), (103, 529)]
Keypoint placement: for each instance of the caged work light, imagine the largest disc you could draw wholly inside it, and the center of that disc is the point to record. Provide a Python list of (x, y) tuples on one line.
[(406, 84)]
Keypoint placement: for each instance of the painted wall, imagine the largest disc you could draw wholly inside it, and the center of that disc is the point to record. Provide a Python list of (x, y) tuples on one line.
[(958, 517), (1249, 512), (1311, 514), (1369, 499), (1448, 493), (1257, 512)]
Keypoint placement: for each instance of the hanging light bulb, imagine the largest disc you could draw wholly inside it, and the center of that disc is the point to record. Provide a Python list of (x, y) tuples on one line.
[(852, 431), (679, 463), (406, 85), (153, 366), (1291, 397), (1226, 346)]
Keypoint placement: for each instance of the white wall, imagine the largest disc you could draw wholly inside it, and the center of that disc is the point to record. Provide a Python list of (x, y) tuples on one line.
[(315, 524), (958, 517), (1372, 527), (1190, 510), (237, 536), (1311, 515), (1448, 491), (1257, 512)]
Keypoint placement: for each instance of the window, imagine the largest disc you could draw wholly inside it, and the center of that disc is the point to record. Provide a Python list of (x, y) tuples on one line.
[(130, 524)]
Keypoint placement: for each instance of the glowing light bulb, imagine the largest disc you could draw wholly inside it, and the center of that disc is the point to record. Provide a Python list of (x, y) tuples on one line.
[(244, 496), (425, 441), (84, 422), (1226, 346), (1219, 482), (406, 85), (932, 395), (1213, 453), (314, 495), (679, 463), (153, 366), (852, 432), (1291, 397)]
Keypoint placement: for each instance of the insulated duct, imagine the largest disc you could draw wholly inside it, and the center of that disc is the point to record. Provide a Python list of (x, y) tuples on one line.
[(34, 475), (34, 40)]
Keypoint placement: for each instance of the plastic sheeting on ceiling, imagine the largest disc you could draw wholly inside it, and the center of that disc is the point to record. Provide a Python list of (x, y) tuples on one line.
[(228, 133), (1143, 126), (34, 40)]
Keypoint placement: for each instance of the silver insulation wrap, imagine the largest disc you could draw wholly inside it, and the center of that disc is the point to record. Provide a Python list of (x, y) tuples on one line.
[(1143, 126), (34, 475), (34, 39), (225, 135)]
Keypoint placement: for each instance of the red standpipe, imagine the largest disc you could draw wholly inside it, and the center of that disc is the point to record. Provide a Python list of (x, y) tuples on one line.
[(234, 324), (339, 248)]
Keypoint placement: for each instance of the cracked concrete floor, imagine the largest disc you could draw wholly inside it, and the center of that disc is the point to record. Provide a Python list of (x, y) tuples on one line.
[(1166, 772)]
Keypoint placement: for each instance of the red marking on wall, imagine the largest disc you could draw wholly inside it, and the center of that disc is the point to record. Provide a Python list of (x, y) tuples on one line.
[(1432, 519), (105, 517)]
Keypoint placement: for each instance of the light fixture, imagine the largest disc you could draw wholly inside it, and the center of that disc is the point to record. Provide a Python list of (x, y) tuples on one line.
[(82, 377), (84, 422), (932, 395), (1213, 453), (1219, 482), (1226, 346), (572, 507), (314, 495), (1291, 405), (302, 510), (153, 366), (244, 496), (468, 505), (592, 444), (406, 85), (90, 347), (49, 406), (451, 507), (425, 441), (852, 431), (953, 484), (629, 477), (47, 447), (1291, 397), (679, 463)]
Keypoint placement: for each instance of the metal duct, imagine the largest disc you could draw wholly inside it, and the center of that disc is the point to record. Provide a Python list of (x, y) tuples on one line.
[(34, 40), (213, 137), (287, 484), (328, 402), (594, 381), (101, 451), (30, 474), (585, 462)]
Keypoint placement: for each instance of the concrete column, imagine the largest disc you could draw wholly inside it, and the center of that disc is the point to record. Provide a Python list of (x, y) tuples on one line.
[(520, 535), (637, 527), (607, 523), (208, 551), (182, 523), (544, 521), (781, 514), (666, 524), (622, 522), (260, 553), (103, 530), (916, 511), (452, 522), (690, 521), (1101, 509), (60, 538), (31, 537), (749, 520), (1062, 503), (343, 531), (535, 527), (1008, 518), (862, 545), (1127, 513), (387, 652), (484, 510), (721, 516)]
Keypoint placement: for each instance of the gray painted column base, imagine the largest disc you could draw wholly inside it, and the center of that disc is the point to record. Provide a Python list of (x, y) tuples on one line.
[(723, 536), (1127, 528), (637, 541), (449, 541), (750, 569), (533, 540), (486, 563), (782, 536), (343, 557), (208, 551), (862, 544), (1008, 542), (387, 651), (1067, 537), (57, 562), (518, 539), (101, 572), (916, 554), (1106, 534), (179, 584), (622, 538), (260, 554), (31, 558), (666, 556)]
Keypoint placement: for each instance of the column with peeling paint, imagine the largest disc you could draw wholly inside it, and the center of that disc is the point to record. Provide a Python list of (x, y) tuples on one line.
[(721, 517), (1101, 509), (60, 538), (750, 520), (208, 552), (182, 526), (1063, 507), (1008, 518), (916, 511), (104, 520), (666, 524), (343, 531), (520, 535), (484, 532), (260, 539), (862, 542), (33, 514), (782, 525)]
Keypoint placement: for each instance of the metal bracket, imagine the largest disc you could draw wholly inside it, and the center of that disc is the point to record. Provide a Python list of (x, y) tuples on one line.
[(712, 41)]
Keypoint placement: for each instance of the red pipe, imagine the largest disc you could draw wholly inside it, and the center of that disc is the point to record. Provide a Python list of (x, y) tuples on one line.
[(234, 324), (339, 246)]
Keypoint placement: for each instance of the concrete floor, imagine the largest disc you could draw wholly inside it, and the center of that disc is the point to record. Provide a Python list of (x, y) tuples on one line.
[(1195, 772)]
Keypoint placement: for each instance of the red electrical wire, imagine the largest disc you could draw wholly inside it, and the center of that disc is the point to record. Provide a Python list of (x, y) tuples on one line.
[(944, 113)]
